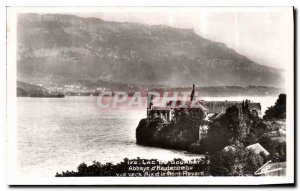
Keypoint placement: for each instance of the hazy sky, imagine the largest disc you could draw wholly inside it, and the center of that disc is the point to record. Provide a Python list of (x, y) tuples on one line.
[(264, 35)]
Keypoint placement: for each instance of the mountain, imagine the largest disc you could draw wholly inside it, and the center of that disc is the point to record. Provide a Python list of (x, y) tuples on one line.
[(60, 48), (30, 90), (27, 90)]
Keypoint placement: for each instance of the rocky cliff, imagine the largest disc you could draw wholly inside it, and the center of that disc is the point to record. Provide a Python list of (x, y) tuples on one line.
[(180, 134)]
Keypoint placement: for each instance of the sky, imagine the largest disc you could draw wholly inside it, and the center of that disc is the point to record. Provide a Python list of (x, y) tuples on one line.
[(265, 35)]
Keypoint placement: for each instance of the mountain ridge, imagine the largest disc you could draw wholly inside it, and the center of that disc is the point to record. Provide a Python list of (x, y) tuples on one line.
[(68, 47)]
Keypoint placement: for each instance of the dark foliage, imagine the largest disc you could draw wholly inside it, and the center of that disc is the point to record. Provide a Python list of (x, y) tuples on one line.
[(179, 134), (278, 111), (223, 130), (238, 127), (235, 161), (276, 148), (125, 168)]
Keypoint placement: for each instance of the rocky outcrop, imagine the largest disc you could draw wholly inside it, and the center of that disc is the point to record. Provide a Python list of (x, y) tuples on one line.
[(176, 135)]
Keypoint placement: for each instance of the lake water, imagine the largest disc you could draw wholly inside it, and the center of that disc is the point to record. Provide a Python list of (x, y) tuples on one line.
[(55, 134)]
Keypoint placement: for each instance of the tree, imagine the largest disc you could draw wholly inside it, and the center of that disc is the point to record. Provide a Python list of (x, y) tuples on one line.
[(278, 111), (257, 130), (235, 160), (223, 130), (184, 131), (276, 149)]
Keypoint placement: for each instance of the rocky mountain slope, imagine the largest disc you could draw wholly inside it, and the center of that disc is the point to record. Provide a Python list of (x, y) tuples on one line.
[(64, 47)]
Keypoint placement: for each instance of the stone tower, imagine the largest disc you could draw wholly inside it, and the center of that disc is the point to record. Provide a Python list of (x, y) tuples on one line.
[(193, 93)]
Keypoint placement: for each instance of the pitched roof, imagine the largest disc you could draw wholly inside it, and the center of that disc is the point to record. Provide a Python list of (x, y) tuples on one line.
[(186, 104), (257, 148)]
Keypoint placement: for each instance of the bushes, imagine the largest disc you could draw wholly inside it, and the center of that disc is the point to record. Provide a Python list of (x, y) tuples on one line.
[(140, 167), (276, 149), (236, 160), (96, 169), (278, 111), (237, 127), (223, 131)]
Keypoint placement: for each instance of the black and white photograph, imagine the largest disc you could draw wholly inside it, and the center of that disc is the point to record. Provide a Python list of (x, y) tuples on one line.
[(150, 95)]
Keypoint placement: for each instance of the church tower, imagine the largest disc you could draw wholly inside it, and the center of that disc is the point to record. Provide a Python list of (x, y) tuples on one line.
[(193, 93)]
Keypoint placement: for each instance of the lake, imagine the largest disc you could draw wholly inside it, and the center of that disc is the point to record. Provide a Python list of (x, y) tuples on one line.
[(55, 134)]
